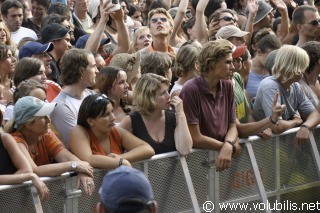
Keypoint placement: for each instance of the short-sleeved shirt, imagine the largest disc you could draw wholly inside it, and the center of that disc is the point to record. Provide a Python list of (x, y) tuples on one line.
[(253, 82), (242, 105), (212, 114), (64, 116), (139, 129), (149, 49), (115, 143), (294, 99), (48, 148)]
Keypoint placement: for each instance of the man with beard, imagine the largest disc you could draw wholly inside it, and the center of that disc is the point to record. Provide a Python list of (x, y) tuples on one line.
[(12, 14)]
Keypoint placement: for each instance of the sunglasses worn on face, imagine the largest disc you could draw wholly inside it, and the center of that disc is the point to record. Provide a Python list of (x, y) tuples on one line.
[(101, 97), (315, 22), (228, 18), (155, 20)]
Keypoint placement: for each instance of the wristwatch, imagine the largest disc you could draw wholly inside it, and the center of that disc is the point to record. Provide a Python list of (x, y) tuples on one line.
[(233, 147), (74, 165)]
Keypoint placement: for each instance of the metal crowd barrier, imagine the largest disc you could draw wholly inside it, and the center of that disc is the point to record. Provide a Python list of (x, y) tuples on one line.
[(268, 172)]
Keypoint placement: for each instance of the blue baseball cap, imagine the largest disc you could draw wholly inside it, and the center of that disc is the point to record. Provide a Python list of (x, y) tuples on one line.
[(81, 42), (126, 189), (33, 48), (28, 107)]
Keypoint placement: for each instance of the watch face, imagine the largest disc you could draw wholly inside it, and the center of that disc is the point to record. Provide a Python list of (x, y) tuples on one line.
[(74, 165)]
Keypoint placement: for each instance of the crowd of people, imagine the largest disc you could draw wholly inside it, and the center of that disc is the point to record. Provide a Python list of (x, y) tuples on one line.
[(84, 84)]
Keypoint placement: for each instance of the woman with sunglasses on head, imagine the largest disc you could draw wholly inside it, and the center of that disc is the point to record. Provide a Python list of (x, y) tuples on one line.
[(43, 150), (98, 141), (164, 129), (112, 81)]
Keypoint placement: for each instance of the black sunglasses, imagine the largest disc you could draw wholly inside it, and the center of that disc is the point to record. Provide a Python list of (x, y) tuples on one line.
[(155, 20), (315, 22), (228, 18)]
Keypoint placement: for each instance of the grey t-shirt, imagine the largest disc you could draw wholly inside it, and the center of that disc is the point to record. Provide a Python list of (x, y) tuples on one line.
[(64, 116), (294, 99)]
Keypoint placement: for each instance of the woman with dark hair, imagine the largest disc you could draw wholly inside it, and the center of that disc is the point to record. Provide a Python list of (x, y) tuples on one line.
[(7, 64), (112, 81), (33, 68), (96, 140)]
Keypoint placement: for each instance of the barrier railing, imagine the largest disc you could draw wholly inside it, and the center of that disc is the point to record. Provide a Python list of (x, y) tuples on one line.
[(268, 173)]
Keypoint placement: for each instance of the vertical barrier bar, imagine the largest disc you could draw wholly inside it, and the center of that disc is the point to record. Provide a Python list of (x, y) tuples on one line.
[(277, 167), (189, 183), (36, 200), (146, 169), (315, 151), (72, 195), (213, 178), (257, 176)]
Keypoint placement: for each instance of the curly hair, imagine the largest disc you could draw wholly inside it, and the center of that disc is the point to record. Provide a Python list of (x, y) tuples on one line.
[(73, 64)]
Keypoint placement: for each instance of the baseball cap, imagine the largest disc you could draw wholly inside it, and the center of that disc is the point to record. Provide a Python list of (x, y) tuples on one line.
[(53, 32), (126, 189), (81, 43), (33, 48), (28, 107), (239, 51), (230, 31)]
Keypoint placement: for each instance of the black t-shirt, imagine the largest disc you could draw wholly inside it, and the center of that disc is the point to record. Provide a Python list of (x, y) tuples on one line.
[(6, 165)]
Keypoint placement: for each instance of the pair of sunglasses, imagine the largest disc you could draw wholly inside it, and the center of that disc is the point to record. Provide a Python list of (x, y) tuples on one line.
[(315, 22), (155, 20), (228, 18)]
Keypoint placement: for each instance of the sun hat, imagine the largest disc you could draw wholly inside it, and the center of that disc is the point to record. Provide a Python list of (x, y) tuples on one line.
[(263, 10), (33, 48), (130, 63), (126, 189), (28, 107), (82, 41), (230, 31), (53, 32)]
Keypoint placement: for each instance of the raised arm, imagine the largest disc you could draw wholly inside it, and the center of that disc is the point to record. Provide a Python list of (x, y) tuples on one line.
[(200, 24), (182, 9), (253, 7), (136, 148), (93, 42), (182, 137), (283, 10)]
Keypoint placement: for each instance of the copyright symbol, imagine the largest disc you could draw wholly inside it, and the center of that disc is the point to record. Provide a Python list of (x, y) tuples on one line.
[(208, 206)]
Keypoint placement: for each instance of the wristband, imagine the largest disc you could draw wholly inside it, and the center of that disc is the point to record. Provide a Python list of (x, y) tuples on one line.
[(233, 147), (120, 161), (272, 121), (305, 126)]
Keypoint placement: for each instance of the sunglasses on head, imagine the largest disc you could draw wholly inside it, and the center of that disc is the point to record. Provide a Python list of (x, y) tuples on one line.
[(155, 20), (228, 18), (101, 97), (315, 22)]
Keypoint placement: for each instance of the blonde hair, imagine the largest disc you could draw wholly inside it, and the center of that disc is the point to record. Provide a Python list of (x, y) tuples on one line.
[(290, 61), (163, 11), (144, 93), (186, 59), (136, 36)]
